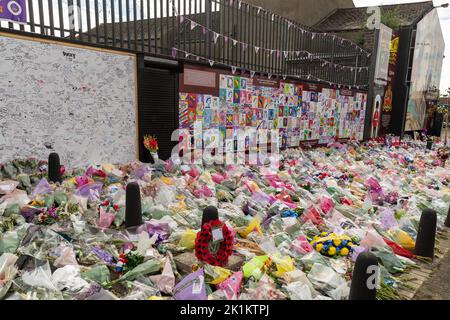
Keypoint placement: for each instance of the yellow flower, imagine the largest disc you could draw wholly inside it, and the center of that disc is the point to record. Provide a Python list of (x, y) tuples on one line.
[(350, 244), (344, 252), (324, 234), (319, 247), (336, 242), (332, 251)]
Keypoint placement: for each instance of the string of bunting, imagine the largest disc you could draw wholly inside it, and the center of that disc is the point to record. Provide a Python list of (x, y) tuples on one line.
[(286, 53), (252, 73), (293, 24)]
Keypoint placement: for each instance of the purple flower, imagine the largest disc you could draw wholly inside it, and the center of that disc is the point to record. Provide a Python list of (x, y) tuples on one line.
[(52, 213), (102, 254)]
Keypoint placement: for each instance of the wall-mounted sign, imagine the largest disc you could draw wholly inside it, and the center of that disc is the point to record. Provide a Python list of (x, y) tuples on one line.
[(13, 10), (382, 64)]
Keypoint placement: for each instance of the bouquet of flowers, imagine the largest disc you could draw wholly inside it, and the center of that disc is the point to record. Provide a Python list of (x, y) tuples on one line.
[(150, 143), (127, 261), (332, 245)]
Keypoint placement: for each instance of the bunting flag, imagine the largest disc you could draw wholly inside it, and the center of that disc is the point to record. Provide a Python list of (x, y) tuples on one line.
[(256, 50), (252, 74), (211, 62), (235, 42), (216, 36), (193, 25), (233, 69)]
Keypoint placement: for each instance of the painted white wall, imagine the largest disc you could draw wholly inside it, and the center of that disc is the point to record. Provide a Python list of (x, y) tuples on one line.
[(74, 101)]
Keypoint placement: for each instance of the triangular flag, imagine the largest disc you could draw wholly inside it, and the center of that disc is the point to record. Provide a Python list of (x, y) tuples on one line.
[(252, 74), (197, 58), (174, 53), (225, 38), (211, 63), (278, 53), (216, 36), (269, 75), (286, 53), (256, 50), (240, 4), (186, 54), (284, 77), (297, 53), (289, 25), (233, 69), (234, 42), (273, 17), (205, 30), (193, 25), (181, 19), (259, 9), (244, 46), (313, 36)]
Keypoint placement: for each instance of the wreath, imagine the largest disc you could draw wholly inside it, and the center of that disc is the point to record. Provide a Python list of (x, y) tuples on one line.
[(203, 244)]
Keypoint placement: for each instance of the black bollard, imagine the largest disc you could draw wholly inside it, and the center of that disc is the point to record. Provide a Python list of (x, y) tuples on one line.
[(426, 235), (364, 282), (447, 221), (133, 210), (209, 213), (54, 168)]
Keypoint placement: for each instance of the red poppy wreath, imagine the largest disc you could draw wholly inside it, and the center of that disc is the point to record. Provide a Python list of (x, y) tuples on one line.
[(204, 240)]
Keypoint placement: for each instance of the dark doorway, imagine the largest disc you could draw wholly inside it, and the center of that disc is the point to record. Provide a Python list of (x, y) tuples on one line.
[(158, 107)]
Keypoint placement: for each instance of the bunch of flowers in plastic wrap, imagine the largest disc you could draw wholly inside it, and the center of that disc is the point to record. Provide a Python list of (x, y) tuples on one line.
[(128, 260), (332, 245)]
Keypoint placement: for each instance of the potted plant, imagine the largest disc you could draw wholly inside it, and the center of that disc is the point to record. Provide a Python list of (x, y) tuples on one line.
[(151, 144)]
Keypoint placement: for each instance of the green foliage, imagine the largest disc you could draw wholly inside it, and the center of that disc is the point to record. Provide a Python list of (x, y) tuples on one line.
[(390, 19), (360, 38)]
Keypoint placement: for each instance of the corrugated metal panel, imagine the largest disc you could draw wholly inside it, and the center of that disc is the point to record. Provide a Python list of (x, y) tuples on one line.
[(158, 109)]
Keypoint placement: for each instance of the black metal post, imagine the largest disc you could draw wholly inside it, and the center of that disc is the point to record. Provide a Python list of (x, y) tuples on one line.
[(133, 209), (54, 168), (426, 235), (363, 286)]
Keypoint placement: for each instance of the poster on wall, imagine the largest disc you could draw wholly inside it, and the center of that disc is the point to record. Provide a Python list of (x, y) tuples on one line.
[(75, 101), (427, 68), (13, 11), (299, 112), (386, 92)]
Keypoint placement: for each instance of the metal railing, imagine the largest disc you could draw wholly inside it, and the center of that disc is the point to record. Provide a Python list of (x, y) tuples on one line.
[(226, 32)]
